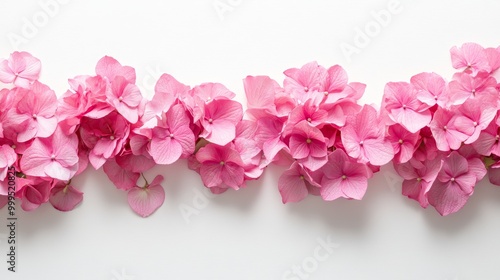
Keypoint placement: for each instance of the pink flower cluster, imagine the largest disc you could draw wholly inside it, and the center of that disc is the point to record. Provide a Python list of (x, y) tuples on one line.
[(442, 136), (314, 125), (446, 133)]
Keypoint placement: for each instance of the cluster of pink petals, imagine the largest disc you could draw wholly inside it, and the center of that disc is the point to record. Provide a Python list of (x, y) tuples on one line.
[(315, 126), (442, 136), (445, 133)]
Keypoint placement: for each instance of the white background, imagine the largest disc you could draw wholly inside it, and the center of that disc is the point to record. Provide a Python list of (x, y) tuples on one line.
[(250, 234)]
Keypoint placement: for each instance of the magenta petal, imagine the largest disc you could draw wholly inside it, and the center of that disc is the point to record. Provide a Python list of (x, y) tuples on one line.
[(144, 201), (65, 198)]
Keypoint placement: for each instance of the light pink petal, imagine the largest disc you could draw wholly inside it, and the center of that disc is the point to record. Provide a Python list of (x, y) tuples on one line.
[(220, 132), (223, 109), (378, 151), (35, 158), (55, 170), (45, 127), (167, 89), (145, 201), (476, 166), (32, 67), (313, 163), (336, 79), (260, 92), (272, 147), (130, 114), (132, 95), (110, 68), (469, 55), (354, 187), (410, 119), (331, 188), (65, 198), (350, 141), (6, 74), (165, 151)]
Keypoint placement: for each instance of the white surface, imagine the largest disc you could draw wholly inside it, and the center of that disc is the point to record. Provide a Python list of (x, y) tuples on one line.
[(249, 234)]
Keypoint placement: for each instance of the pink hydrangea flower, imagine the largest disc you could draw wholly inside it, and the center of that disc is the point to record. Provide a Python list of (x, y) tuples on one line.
[(454, 185), (363, 138), (431, 89), (55, 157), (343, 177), (403, 142), (470, 56), (126, 98), (172, 138), (294, 183), (221, 166), (34, 115), (220, 120), (450, 129), (104, 137), (21, 69), (300, 83), (403, 106), (308, 145), (419, 178)]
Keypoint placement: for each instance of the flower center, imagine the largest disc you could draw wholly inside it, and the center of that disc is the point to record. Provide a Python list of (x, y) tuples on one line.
[(112, 137), (306, 89), (419, 179), (344, 177), (361, 143), (326, 93), (475, 123), (452, 179), (445, 127), (301, 177), (400, 141), (404, 107), (120, 98), (171, 135), (210, 120), (309, 119), (222, 162), (52, 157), (308, 141), (34, 116)]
